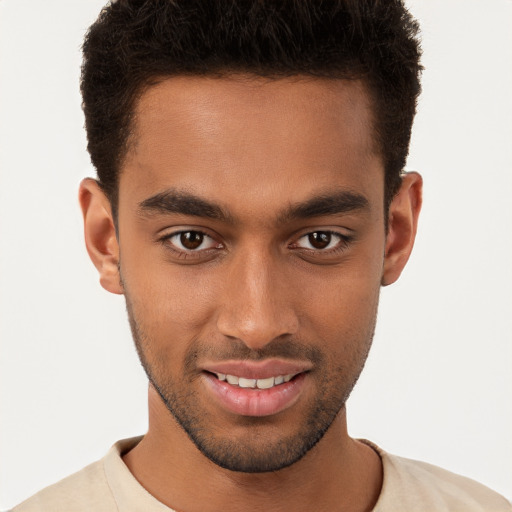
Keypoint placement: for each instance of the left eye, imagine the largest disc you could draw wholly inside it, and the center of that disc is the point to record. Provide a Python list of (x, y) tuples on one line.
[(192, 241), (319, 240)]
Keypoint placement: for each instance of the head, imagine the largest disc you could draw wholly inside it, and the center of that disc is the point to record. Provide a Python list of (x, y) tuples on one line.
[(250, 204)]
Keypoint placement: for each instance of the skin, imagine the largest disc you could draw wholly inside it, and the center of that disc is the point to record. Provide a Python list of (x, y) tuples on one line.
[(256, 289)]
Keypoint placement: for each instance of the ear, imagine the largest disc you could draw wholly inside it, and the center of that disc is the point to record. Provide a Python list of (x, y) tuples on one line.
[(402, 225), (100, 234)]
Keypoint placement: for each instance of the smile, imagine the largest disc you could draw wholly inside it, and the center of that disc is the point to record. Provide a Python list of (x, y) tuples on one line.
[(252, 396), (267, 383)]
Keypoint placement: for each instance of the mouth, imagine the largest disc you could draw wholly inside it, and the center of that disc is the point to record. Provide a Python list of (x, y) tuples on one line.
[(255, 389)]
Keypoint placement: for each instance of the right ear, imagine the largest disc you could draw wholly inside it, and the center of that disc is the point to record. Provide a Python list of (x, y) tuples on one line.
[(100, 234)]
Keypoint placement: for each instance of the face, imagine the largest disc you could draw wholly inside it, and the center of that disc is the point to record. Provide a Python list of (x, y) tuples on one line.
[(252, 247)]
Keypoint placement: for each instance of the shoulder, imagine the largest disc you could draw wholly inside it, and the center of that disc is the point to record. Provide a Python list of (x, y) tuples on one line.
[(415, 486), (85, 490), (98, 486), (106, 486)]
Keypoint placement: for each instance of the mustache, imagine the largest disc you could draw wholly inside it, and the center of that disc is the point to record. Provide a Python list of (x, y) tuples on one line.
[(283, 347), (238, 350)]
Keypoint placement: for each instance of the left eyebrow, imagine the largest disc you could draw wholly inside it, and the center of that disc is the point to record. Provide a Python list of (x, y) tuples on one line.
[(326, 204)]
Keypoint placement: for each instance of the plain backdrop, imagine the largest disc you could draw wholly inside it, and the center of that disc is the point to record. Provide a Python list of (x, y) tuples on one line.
[(438, 383)]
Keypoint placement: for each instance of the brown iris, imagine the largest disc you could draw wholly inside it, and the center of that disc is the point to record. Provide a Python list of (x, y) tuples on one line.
[(320, 239), (191, 239)]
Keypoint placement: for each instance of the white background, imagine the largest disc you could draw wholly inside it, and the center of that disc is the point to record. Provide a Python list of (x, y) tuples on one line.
[(438, 383)]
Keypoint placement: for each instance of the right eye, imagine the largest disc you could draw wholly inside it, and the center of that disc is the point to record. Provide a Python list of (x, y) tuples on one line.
[(191, 241)]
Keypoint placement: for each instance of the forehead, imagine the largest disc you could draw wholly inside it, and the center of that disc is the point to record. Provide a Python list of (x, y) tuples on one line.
[(274, 139)]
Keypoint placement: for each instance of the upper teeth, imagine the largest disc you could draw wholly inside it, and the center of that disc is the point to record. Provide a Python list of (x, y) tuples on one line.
[(255, 383)]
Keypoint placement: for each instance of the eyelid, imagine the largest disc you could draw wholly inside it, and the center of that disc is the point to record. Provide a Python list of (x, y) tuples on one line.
[(204, 241), (345, 233), (331, 233), (344, 241), (166, 237), (171, 231)]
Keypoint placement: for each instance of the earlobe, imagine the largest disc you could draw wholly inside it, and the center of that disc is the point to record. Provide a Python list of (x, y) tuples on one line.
[(402, 225), (100, 234)]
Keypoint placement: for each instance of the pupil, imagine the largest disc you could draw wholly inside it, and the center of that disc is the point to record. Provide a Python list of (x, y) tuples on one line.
[(191, 239), (320, 239)]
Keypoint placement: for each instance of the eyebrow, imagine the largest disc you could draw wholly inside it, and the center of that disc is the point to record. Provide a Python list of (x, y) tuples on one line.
[(333, 203), (185, 203)]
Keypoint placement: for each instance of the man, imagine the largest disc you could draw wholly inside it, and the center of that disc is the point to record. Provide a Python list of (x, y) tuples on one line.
[(250, 204)]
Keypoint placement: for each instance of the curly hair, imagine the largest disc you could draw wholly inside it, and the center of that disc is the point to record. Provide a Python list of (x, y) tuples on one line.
[(135, 42)]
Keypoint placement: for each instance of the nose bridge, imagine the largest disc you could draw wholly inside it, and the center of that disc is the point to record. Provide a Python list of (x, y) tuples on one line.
[(257, 306)]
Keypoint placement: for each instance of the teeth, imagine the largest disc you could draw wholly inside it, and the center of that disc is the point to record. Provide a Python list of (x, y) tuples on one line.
[(232, 379), (246, 383), (265, 383), (268, 383), (279, 380)]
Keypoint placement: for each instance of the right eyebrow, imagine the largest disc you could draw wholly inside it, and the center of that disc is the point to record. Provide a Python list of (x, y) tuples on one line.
[(184, 203)]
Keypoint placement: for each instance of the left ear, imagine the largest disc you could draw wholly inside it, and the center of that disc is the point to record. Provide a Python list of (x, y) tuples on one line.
[(402, 225)]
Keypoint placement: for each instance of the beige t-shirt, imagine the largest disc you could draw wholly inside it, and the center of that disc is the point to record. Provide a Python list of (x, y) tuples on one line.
[(408, 486)]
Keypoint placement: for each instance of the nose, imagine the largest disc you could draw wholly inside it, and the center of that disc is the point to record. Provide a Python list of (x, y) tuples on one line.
[(257, 304)]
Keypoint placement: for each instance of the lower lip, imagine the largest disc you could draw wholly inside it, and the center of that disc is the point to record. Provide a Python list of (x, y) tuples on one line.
[(255, 402)]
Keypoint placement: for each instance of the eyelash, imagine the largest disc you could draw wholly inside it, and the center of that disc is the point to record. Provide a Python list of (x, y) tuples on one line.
[(188, 253), (341, 246)]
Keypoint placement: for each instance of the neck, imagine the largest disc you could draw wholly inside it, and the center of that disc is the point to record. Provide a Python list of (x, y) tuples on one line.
[(337, 474)]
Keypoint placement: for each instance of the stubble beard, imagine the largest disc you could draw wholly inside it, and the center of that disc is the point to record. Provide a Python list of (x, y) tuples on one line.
[(256, 453)]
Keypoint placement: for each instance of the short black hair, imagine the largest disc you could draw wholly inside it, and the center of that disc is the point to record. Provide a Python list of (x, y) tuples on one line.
[(135, 42)]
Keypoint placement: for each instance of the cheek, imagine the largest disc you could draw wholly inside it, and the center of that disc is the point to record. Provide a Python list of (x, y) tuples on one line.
[(171, 304), (341, 303), (346, 309)]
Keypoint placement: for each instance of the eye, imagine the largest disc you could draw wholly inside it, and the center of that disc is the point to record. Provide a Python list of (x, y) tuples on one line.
[(192, 241), (320, 240)]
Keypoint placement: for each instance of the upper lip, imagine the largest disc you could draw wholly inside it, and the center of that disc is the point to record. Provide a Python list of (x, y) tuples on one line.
[(257, 369)]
